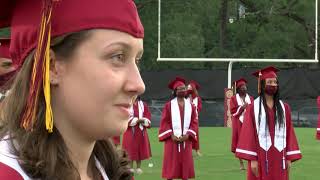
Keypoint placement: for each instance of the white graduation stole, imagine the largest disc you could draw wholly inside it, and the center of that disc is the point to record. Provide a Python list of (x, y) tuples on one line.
[(195, 102), (141, 111), (264, 134), (241, 103), (176, 119), (9, 159)]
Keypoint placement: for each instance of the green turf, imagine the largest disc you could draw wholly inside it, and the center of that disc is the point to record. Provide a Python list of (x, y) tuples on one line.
[(218, 163)]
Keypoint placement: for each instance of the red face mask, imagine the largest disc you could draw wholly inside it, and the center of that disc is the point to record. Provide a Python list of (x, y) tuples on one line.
[(271, 90), (189, 92)]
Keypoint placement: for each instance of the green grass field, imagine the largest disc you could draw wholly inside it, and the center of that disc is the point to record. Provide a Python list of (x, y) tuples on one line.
[(218, 163)]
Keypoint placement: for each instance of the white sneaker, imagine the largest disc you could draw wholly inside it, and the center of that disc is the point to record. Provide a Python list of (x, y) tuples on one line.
[(132, 170), (139, 171)]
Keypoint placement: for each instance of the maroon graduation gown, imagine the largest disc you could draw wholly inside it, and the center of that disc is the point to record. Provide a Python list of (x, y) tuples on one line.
[(177, 165), (196, 144), (236, 112), (136, 141), (248, 147)]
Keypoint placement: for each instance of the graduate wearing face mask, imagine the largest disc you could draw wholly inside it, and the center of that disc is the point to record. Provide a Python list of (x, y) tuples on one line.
[(267, 138), (238, 105), (178, 131), (194, 97)]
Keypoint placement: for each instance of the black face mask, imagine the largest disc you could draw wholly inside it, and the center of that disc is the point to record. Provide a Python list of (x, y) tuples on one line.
[(242, 92)]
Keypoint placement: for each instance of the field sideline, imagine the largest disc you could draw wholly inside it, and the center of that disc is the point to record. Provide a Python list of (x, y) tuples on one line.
[(218, 163)]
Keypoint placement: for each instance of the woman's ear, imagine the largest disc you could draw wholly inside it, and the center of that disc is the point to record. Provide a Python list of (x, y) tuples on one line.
[(56, 69)]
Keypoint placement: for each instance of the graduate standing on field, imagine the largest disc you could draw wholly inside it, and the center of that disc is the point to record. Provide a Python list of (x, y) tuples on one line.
[(267, 138), (196, 100), (238, 105), (135, 139), (178, 131)]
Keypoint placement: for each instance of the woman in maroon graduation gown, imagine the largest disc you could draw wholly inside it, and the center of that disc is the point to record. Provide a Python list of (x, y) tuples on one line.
[(267, 138), (177, 130), (136, 139), (238, 104), (196, 100)]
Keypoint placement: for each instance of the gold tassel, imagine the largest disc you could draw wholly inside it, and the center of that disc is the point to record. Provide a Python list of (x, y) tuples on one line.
[(46, 79), (46, 87)]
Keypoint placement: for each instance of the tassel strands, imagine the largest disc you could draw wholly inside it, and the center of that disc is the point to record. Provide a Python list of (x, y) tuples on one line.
[(40, 72)]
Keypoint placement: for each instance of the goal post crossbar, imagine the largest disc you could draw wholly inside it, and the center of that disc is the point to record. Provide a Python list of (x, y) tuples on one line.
[(238, 60)]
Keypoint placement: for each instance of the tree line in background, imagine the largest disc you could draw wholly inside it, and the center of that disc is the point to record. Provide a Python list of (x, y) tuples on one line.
[(282, 29)]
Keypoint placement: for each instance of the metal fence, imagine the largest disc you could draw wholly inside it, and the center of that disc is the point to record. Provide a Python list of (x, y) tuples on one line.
[(304, 113)]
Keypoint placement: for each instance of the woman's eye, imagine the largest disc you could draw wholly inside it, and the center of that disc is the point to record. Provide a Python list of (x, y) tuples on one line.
[(118, 57)]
